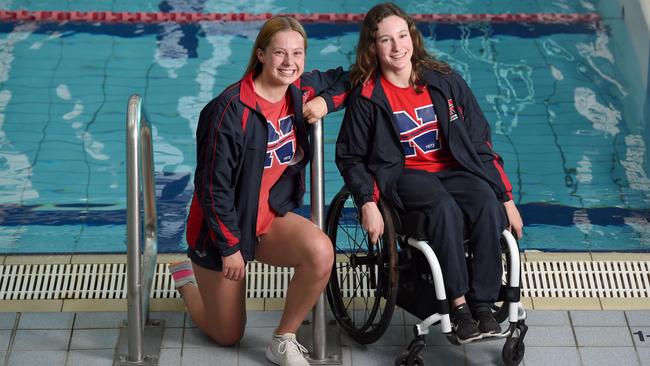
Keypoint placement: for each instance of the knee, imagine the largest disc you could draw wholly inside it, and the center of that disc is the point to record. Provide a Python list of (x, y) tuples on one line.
[(321, 256), (227, 337)]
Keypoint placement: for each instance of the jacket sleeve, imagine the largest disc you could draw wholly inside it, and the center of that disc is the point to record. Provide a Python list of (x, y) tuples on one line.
[(479, 131), (333, 85), (352, 148), (220, 152)]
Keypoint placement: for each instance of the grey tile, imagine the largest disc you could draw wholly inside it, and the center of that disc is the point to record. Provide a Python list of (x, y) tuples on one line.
[(556, 356), (252, 357), (41, 340), (7, 320), (443, 355), (346, 356), (263, 319), (172, 338), (547, 317), (195, 338), (550, 336), (644, 356), (256, 337), (94, 338), (46, 321), (393, 336), (173, 319), (374, 355), (214, 356), (30, 358), (5, 338), (608, 356), (603, 336), (398, 317), (169, 357), (99, 320), (484, 353), (410, 319), (2, 357), (638, 318), (94, 357), (581, 318), (188, 322), (641, 336)]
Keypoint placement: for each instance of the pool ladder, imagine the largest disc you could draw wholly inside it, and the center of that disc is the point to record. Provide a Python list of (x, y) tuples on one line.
[(142, 336)]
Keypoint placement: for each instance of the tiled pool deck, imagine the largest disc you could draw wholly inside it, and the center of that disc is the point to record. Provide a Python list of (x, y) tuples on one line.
[(555, 337), (587, 332)]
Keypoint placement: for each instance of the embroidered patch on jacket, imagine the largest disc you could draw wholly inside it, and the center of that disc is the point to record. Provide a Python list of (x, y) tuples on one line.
[(452, 111)]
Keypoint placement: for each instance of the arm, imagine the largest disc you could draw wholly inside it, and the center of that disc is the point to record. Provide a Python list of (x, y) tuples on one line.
[(220, 138), (324, 92), (352, 147), (480, 134)]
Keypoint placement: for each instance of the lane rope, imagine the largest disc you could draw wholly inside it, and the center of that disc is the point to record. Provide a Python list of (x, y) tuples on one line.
[(186, 17)]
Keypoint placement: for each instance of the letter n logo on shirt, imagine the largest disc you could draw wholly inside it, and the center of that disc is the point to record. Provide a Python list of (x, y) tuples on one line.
[(281, 144), (421, 134)]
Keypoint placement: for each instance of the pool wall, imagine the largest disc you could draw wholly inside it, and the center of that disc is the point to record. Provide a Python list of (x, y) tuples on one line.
[(635, 61)]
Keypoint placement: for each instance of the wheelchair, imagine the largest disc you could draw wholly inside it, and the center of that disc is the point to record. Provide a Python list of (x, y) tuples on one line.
[(368, 281)]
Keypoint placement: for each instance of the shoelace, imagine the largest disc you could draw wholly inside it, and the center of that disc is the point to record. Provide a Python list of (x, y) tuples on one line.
[(285, 347)]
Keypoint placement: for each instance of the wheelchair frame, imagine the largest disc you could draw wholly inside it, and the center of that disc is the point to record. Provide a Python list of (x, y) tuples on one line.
[(383, 275)]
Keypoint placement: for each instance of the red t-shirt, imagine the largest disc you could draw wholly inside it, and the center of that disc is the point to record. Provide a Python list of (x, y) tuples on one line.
[(280, 153), (415, 117)]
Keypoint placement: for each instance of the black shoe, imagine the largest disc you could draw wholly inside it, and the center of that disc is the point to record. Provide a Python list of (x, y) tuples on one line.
[(464, 325), (485, 319)]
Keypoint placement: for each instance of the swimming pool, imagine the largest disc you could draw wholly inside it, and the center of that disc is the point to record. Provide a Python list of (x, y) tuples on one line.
[(560, 99)]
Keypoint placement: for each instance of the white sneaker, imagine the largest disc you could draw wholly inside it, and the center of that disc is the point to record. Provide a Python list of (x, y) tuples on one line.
[(285, 350)]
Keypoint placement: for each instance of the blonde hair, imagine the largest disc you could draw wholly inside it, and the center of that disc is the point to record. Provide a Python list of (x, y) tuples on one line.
[(367, 62), (269, 29)]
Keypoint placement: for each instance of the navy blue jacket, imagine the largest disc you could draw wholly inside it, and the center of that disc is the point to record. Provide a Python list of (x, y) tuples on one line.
[(368, 150), (231, 140)]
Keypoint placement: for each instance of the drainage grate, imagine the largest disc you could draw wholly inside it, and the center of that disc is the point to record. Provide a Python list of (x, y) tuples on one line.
[(623, 279)]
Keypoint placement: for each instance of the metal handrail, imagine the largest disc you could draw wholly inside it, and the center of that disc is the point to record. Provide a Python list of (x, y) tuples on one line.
[(141, 264), (319, 332)]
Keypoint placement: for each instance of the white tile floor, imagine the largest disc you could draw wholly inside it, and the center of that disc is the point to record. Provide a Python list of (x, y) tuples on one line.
[(581, 338)]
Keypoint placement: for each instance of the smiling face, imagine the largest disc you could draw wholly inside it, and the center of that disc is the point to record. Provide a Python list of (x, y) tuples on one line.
[(283, 58), (394, 46)]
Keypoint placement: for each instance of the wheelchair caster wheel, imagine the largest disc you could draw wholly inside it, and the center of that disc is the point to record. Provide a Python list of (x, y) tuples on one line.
[(513, 351), (407, 359)]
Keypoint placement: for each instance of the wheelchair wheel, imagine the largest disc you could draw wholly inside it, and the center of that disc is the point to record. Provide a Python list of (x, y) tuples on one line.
[(500, 309), (513, 351), (363, 285)]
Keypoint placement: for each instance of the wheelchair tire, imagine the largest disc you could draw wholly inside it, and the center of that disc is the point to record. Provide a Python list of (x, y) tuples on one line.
[(405, 359), (362, 289), (513, 351)]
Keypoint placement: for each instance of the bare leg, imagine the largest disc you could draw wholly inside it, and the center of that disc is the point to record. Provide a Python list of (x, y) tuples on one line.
[(293, 241), (226, 319)]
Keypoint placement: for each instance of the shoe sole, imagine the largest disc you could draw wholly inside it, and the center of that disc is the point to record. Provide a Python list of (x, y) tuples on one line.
[(271, 357)]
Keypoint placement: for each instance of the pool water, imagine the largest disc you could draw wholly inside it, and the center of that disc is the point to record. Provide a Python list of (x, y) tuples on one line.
[(560, 98)]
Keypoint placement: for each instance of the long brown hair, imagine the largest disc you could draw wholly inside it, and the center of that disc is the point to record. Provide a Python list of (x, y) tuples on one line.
[(367, 63), (269, 29)]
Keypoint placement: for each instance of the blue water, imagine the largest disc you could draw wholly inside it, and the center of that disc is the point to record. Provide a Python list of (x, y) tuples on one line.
[(563, 109)]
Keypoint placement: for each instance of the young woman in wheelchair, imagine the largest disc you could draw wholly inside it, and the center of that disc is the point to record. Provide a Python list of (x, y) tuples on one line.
[(414, 135), (252, 148)]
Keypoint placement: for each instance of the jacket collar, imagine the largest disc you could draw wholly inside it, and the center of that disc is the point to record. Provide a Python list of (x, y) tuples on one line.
[(247, 92)]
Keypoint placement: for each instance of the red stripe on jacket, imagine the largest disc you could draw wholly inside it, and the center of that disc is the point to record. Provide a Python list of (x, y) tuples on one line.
[(502, 173), (230, 238)]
